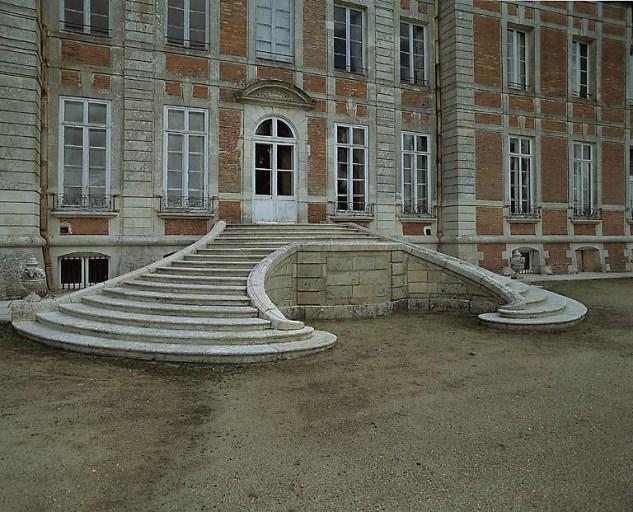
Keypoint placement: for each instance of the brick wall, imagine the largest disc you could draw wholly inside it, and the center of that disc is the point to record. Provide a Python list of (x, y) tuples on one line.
[(613, 72), (554, 169), (317, 172), (487, 50), (553, 53), (616, 258), (75, 52), (230, 212), (230, 131), (612, 173), (314, 37), (558, 259), (317, 213), (489, 221), (554, 222), (489, 165), (186, 226), (233, 28), (87, 225), (492, 259)]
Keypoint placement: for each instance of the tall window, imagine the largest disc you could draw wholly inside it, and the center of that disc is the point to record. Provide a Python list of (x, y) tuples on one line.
[(580, 69), (351, 168), (185, 155), (416, 174), (521, 180), (84, 134), (274, 29), (412, 54), (631, 181), (187, 23), (517, 59), (583, 180), (348, 39), (87, 16)]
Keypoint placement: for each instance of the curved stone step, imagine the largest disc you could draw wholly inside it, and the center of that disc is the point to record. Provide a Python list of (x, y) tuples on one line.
[(59, 320), (157, 308), (86, 311), (260, 352), (169, 278), (570, 315), (227, 251), (181, 298), (205, 271), (205, 289), (222, 259), (550, 305)]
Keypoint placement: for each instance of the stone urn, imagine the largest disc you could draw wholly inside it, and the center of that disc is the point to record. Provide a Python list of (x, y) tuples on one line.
[(517, 263), (33, 280)]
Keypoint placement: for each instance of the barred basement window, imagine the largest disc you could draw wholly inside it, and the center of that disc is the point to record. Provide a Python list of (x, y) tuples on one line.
[(273, 34), (521, 179), (416, 174), (348, 39), (412, 54), (80, 271), (517, 59), (580, 63), (187, 23), (185, 151), (84, 156), (86, 16), (583, 180), (351, 168)]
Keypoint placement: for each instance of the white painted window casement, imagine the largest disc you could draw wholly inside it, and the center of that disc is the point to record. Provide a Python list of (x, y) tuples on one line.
[(348, 39), (584, 181), (517, 59), (187, 23), (416, 174), (521, 177), (80, 270), (412, 53), (351, 168), (84, 153), (86, 16), (185, 155), (274, 29), (631, 183), (580, 69)]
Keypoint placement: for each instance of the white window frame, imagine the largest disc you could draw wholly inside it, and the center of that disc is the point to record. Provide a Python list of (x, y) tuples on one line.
[(350, 146), (274, 54), (348, 52), (186, 39), (84, 259), (414, 173), (576, 73), (87, 8), (186, 133), (631, 181), (513, 48), (413, 72), (85, 164), (580, 208), (517, 193)]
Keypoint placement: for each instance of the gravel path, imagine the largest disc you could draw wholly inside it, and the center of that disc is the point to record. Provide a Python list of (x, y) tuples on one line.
[(409, 413)]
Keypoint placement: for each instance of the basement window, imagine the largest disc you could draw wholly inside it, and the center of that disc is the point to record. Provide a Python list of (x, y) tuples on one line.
[(86, 16), (78, 271)]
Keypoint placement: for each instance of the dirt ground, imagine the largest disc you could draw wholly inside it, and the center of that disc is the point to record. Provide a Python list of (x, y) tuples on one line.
[(409, 413)]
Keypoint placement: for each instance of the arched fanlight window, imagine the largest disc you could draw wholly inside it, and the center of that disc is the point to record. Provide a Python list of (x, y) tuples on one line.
[(274, 127)]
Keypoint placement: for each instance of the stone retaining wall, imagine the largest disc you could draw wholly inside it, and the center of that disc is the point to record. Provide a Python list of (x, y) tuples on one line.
[(330, 281)]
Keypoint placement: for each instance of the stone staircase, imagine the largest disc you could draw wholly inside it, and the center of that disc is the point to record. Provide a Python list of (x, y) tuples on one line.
[(194, 309), (540, 309), (199, 305)]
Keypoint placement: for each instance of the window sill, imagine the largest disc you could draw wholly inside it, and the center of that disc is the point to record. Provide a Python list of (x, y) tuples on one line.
[(86, 37), (421, 218), (190, 214), (184, 50), (278, 61), (580, 220), (351, 217), (83, 213), (352, 75), (519, 92), (524, 220), (413, 86)]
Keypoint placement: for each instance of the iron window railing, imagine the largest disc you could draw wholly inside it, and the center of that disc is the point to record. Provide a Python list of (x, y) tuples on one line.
[(87, 202), (186, 204), (524, 212), (587, 213)]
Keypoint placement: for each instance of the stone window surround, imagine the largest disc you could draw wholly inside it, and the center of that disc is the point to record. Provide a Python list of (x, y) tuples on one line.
[(350, 146), (364, 41), (574, 78), (87, 12), (274, 55), (429, 170), (594, 181), (415, 80), (532, 176)]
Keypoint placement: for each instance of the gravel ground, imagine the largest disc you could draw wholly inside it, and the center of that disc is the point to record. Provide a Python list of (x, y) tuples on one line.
[(409, 413)]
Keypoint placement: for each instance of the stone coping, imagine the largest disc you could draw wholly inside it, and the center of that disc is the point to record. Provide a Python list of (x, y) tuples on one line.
[(24, 310)]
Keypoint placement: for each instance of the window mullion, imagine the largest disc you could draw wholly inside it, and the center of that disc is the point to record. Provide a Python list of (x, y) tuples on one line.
[(185, 152), (348, 40), (411, 54)]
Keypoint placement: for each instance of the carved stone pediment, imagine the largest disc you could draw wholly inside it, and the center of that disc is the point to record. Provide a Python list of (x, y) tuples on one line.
[(275, 92)]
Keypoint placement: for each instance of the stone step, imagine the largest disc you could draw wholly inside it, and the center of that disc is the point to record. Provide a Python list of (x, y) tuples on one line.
[(287, 227), (157, 308), (264, 243), (59, 320), (206, 270), (101, 314), (207, 261), (181, 298), (552, 305), (174, 277), (216, 353), (230, 250), (293, 236), (206, 289), (534, 295)]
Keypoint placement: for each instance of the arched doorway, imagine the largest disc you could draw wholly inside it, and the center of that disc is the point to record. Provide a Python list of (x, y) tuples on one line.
[(275, 199)]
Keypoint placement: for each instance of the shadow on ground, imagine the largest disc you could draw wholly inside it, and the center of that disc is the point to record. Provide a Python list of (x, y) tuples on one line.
[(407, 413)]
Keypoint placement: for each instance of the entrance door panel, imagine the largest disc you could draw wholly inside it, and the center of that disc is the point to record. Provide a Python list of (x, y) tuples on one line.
[(275, 199)]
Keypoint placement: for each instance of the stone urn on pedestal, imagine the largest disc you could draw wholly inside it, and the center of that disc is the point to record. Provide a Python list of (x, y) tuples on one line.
[(33, 280), (517, 263)]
